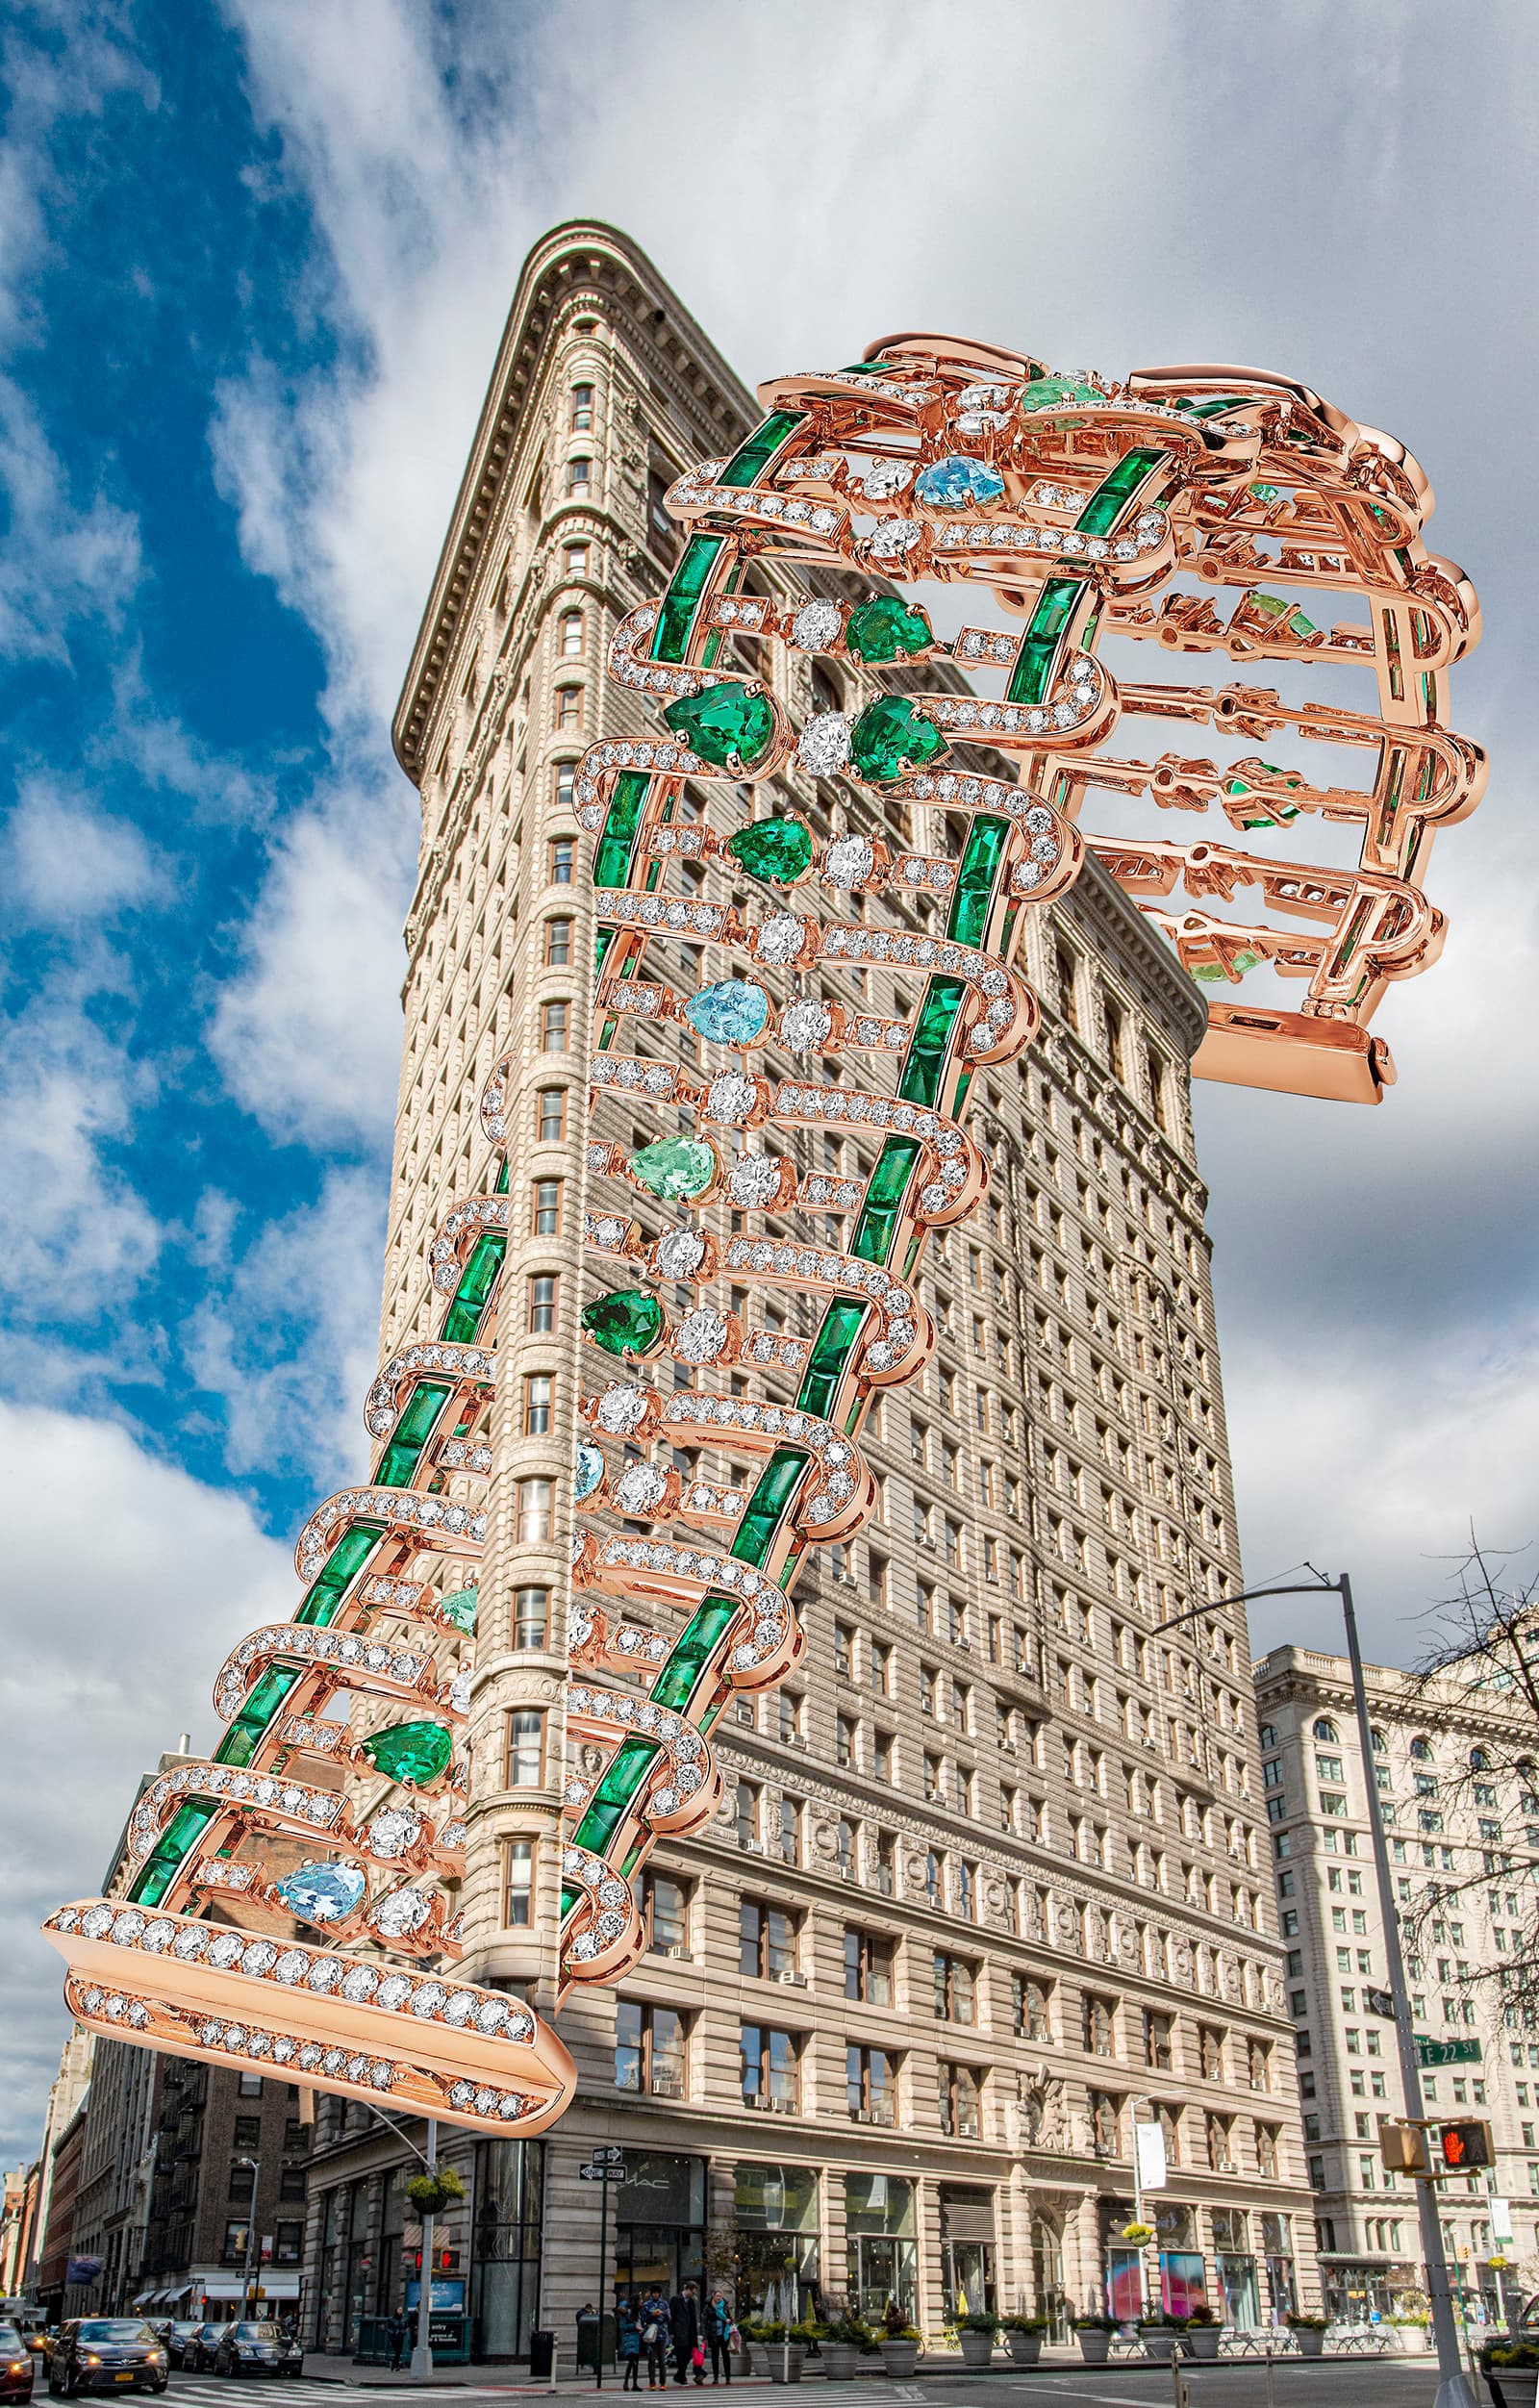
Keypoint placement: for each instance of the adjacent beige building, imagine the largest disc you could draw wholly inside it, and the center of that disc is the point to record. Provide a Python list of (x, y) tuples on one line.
[(1461, 1847), (992, 1877)]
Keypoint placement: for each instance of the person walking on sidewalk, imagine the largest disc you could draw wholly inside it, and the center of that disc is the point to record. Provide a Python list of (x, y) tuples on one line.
[(718, 2333), (396, 2334), (684, 2313), (655, 2340), (630, 2345)]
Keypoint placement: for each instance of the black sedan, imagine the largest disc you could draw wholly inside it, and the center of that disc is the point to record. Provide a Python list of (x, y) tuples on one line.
[(15, 2364), (249, 2350), (199, 2345), (178, 2338), (106, 2353)]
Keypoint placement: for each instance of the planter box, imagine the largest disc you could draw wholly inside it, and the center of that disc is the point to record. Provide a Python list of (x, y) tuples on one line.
[(1202, 2340), (900, 2358), (740, 2365), (1512, 2387), (1159, 2343), (1026, 2349), (1094, 2348), (786, 2361), (758, 2357), (840, 2360), (977, 2350), (1308, 2345)]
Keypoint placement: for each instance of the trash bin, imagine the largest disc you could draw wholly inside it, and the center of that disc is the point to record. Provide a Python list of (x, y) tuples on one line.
[(541, 2357)]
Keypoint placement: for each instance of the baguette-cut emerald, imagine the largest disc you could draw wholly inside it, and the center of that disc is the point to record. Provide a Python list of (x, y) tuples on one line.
[(779, 849), (1117, 489), (413, 1429), (885, 1191), (250, 1726), (681, 601), (829, 1359), (1032, 674), (751, 458), (477, 1280), (924, 1062), (890, 738), (616, 1795), (323, 1598), (675, 1167), (887, 629), (693, 1650), (728, 724), (765, 1509), (417, 1752), (975, 881), (626, 1322), (183, 1832), (613, 859)]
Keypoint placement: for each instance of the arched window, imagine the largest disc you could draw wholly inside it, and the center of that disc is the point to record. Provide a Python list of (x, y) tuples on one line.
[(1421, 1749), (1268, 1735), (579, 475), (572, 635), (582, 409), (1480, 1760), (1325, 1729), (1380, 1743)]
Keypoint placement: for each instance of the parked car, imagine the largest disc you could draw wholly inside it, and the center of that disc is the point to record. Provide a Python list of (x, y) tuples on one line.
[(249, 2350), (16, 2365), (198, 2347), (178, 2336), (106, 2353)]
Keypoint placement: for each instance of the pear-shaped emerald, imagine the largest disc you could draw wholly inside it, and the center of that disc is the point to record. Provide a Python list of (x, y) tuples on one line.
[(886, 628), (460, 1609), (730, 726), (409, 1751), (733, 1011), (626, 1322), (675, 1166), (779, 849), (890, 737)]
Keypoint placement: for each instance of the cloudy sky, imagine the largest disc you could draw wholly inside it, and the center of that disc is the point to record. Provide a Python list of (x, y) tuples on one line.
[(253, 259)]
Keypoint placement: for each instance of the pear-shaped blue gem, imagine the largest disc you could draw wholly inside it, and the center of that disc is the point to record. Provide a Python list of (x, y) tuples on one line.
[(734, 1011), (322, 1894), (590, 1469), (953, 484)]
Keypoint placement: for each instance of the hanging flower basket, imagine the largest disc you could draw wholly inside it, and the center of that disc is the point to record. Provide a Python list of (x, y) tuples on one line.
[(431, 2193), (1138, 2234)]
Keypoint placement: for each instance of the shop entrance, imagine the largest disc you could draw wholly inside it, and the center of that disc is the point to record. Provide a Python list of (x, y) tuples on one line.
[(881, 2252), (776, 2209), (660, 2225)]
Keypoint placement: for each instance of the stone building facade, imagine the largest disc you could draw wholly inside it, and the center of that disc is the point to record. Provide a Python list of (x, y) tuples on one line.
[(992, 1877), (1462, 1836), (112, 2208)]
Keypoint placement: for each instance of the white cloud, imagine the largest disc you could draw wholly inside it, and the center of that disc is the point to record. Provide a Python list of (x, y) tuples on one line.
[(71, 864), (112, 1643), (75, 1236)]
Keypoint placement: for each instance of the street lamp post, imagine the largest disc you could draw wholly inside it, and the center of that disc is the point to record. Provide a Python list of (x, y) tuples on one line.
[(422, 2346), (1453, 2384), (251, 2235)]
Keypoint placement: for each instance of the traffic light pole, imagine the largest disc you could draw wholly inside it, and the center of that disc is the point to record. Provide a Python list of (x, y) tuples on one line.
[(1453, 2384), (422, 2344)]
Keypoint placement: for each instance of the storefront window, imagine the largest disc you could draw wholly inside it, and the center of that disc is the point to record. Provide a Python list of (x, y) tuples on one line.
[(881, 2253), (1182, 2282), (776, 2208), (1237, 2267), (1277, 2247), (505, 2255), (967, 2251), (660, 2223)]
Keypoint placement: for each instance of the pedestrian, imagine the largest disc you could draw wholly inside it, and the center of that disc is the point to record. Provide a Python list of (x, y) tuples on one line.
[(718, 2328), (630, 2345), (689, 2335), (655, 2339), (395, 2332)]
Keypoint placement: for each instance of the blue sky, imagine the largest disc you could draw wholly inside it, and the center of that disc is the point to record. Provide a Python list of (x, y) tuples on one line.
[(255, 263)]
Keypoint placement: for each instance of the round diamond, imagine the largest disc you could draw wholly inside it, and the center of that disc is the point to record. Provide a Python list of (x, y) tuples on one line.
[(815, 626), (823, 746), (639, 1490), (701, 1335), (754, 1179), (849, 861), (680, 1254), (620, 1410), (731, 1097), (803, 1026)]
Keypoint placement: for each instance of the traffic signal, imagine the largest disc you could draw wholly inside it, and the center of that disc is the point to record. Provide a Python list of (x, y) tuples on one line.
[(1465, 2146), (1402, 2147)]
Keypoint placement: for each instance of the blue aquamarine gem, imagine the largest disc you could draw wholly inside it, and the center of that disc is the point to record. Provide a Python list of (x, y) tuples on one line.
[(951, 484), (590, 1469), (322, 1894), (734, 1011)]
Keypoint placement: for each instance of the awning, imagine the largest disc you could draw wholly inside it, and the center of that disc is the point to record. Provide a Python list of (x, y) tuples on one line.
[(270, 2286), (967, 2216)]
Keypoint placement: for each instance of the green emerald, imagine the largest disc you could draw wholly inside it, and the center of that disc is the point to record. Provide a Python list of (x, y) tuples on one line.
[(324, 1595), (413, 1429), (615, 1793), (477, 1280), (249, 1726), (765, 1509), (831, 1351), (693, 1649), (675, 1167), (924, 1062), (887, 627), (975, 881), (890, 737), (1265, 493), (186, 1826), (682, 600), (612, 860), (779, 849), (885, 1191), (1116, 490), (1055, 393), (409, 1751), (626, 1322), (1213, 973), (461, 1609), (1273, 606), (730, 726), (749, 462)]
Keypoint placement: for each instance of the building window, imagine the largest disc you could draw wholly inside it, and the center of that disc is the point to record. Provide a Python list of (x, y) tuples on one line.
[(1105, 2124), (649, 2049), (1157, 2030), (542, 1293), (582, 409), (558, 944), (768, 2063), (579, 474), (1066, 970), (870, 2085), (1221, 2155), (520, 1884), (248, 2132), (572, 635), (551, 1115), (747, 1814), (531, 1616), (1210, 2052), (239, 2181), (538, 1390), (546, 1212), (960, 2103), (665, 1915), (1030, 2008), (1100, 2026), (576, 560), (953, 1989), (868, 1967), (536, 1512), (790, 1832), (561, 854), (526, 1749), (766, 1941), (1267, 2136), (292, 2183), (249, 2086), (554, 1026), (287, 2243), (234, 2244)]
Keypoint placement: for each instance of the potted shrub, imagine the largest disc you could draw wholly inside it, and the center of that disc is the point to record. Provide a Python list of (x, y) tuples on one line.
[(900, 2345), (1023, 2336), (1203, 2332), (431, 2193), (844, 2339), (978, 2335), (1511, 2371), (1158, 2335), (755, 2334), (1308, 2331), (785, 2354), (1093, 2334)]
